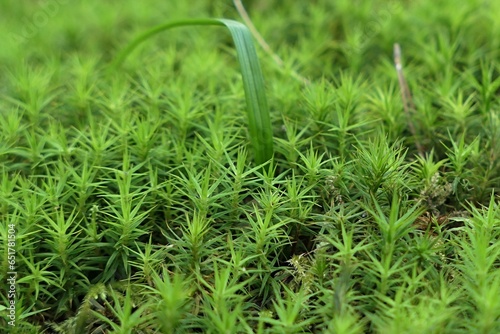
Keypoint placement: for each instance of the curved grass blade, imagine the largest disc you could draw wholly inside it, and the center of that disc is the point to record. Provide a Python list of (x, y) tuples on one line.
[(259, 121)]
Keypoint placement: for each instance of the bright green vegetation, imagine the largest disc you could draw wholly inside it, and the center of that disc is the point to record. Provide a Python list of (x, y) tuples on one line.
[(259, 123), (140, 206)]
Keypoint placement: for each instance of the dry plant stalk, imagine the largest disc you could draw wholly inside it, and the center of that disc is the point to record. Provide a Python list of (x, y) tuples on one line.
[(408, 105), (246, 18)]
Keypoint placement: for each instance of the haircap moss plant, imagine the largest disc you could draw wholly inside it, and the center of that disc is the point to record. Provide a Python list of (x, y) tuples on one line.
[(259, 121)]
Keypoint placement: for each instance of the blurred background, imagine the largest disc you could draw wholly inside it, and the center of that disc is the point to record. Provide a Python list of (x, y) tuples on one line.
[(352, 34)]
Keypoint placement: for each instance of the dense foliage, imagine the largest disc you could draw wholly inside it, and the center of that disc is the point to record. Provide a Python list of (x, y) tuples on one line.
[(137, 205)]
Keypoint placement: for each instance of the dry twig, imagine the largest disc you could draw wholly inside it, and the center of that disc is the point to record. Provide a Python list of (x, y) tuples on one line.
[(408, 105), (244, 15)]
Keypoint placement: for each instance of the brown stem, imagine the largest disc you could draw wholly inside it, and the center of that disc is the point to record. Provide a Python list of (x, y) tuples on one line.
[(244, 15), (408, 105)]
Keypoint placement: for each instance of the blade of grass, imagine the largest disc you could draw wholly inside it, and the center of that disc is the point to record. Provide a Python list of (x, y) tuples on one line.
[(259, 120)]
